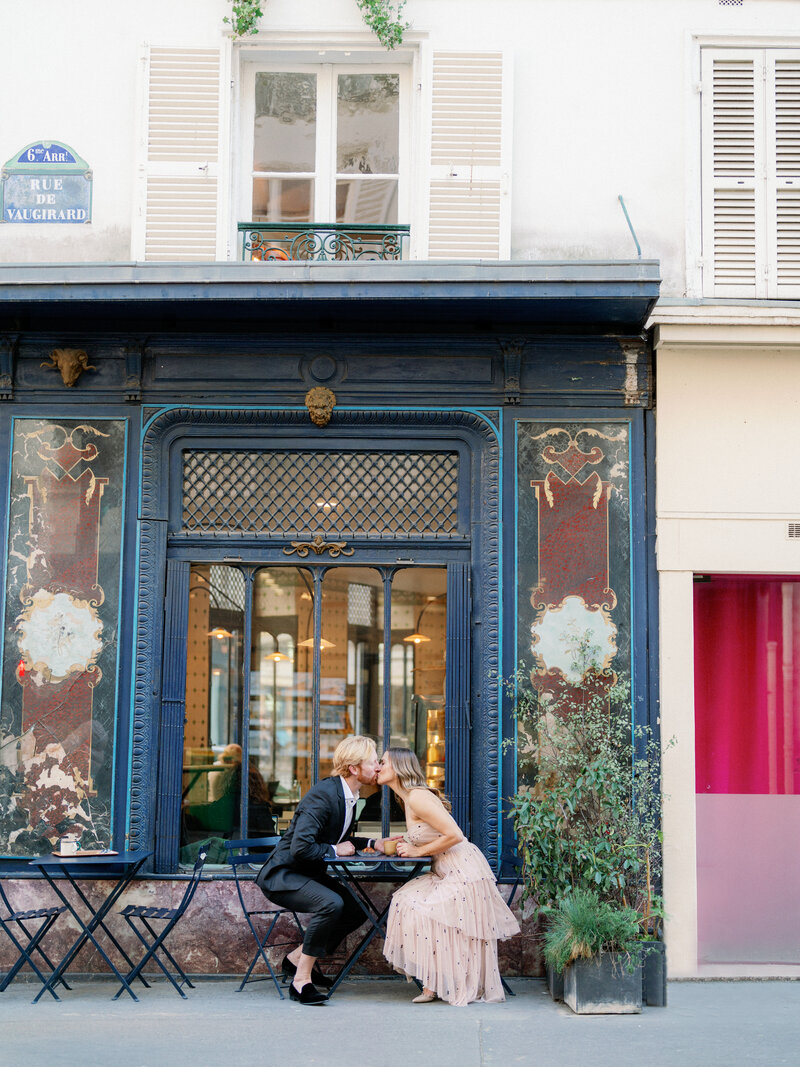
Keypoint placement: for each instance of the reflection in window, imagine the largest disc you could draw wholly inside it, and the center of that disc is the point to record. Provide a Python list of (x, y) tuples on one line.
[(212, 752)]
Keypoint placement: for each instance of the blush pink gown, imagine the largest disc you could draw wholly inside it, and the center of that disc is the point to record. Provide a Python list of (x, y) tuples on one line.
[(443, 927)]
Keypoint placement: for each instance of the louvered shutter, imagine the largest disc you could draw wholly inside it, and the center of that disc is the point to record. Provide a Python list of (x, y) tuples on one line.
[(469, 213), (734, 246), (783, 173), (178, 207)]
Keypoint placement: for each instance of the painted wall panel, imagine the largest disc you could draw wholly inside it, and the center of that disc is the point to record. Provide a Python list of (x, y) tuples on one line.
[(573, 557), (60, 654)]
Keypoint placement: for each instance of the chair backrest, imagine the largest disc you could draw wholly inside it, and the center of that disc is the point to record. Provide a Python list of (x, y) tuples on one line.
[(5, 900), (193, 882), (511, 863), (248, 850)]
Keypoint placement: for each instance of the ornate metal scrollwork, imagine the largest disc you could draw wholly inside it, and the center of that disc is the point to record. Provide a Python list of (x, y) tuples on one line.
[(318, 546)]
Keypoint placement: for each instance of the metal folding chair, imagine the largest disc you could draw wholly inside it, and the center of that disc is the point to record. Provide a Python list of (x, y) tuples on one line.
[(256, 850), (29, 940), (511, 861), (153, 940)]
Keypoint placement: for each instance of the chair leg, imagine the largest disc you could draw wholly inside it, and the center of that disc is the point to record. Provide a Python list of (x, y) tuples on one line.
[(34, 945), (261, 951), (26, 954), (507, 987)]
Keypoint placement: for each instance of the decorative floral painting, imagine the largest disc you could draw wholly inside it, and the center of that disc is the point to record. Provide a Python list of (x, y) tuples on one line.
[(574, 592), (60, 651)]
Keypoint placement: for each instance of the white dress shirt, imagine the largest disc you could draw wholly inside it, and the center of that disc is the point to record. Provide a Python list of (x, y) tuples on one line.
[(350, 799)]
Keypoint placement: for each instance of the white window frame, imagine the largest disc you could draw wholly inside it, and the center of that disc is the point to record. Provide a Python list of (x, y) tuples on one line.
[(699, 256), (327, 71)]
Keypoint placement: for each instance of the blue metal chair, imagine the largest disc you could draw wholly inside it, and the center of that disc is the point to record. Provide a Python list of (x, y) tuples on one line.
[(28, 941), (154, 941), (510, 861), (241, 853)]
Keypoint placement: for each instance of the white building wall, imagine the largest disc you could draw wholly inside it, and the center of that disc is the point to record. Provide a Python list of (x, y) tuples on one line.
[(604, 104)]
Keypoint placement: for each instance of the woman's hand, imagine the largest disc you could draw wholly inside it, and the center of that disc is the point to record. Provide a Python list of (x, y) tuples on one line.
[(405, 848)]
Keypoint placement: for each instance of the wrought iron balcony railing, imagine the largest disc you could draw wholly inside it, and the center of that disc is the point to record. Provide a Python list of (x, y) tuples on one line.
[(276, 241)]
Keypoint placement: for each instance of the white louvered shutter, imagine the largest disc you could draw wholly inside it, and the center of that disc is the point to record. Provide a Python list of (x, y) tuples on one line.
[(783, 173), (469, 213), (179, 207), (734, 246)]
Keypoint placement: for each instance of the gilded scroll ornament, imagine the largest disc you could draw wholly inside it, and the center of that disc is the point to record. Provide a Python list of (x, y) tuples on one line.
[(319, 546)]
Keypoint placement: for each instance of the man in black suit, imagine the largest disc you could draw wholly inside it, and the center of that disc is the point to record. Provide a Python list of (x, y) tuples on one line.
[(295, 875)]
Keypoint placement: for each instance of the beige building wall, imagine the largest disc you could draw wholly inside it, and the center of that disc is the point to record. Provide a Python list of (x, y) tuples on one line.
[(728, 484)]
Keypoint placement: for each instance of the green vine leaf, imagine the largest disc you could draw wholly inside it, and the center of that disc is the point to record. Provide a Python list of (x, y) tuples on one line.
[(244, 17), (384, 18)]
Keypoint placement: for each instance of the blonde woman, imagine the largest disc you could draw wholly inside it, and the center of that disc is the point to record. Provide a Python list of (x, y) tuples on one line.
[(443, 927)]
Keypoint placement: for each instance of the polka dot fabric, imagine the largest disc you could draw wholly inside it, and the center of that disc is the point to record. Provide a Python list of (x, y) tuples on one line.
[(443, 927)]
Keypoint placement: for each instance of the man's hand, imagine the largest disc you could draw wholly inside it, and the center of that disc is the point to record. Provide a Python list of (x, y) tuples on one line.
[(345, 848)]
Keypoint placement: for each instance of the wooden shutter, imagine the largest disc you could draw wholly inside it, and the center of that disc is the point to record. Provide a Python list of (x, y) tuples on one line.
[(469, 213), (733, 164), (180, 154), (783, 174)]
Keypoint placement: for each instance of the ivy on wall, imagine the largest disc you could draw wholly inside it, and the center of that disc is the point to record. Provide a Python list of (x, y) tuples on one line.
[(384, 18)]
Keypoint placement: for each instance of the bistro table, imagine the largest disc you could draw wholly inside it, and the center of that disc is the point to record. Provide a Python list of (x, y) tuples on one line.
[(358, 871), (115, 869)]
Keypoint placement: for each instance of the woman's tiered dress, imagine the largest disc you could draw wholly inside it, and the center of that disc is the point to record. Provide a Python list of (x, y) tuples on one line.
[(443, 927)]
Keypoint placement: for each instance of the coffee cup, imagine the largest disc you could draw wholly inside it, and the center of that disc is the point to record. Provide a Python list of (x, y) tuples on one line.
[(390, 846)]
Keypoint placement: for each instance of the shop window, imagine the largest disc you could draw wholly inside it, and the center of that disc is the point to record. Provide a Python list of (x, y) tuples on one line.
[(309, 678), (747, 729), (751, 172)]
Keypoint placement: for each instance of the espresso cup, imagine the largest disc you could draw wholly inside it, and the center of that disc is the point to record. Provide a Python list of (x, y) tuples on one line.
[(390, 847)]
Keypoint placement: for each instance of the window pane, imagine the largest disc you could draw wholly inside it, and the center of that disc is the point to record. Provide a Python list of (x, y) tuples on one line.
[(285, 122), (282, 199), (351, 699), (367, 201), (368, 124), (280, 736), (419, 618), (212, 740)]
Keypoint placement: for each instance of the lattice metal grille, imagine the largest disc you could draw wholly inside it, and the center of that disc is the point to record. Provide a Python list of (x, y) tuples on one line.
[(325, 492)]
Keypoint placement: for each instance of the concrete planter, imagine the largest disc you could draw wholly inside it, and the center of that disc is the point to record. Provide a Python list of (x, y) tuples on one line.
[(654, 974), (555, 982), (604, 985)]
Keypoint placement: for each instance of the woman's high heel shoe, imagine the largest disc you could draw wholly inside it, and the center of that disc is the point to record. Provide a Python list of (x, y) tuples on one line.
[(425, 998)]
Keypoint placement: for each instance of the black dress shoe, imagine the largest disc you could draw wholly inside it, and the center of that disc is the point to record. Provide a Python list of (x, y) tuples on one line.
[(317, 977), (307, 995)]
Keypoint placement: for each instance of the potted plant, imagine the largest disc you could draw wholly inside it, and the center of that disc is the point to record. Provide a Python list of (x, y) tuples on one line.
[(587, 814), (595, 945)]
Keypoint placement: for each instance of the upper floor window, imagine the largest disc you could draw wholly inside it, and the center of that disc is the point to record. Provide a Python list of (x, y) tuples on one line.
[(327, 144), (751, 172)]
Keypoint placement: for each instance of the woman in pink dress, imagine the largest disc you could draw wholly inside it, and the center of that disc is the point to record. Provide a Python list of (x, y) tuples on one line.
[(443, 927)]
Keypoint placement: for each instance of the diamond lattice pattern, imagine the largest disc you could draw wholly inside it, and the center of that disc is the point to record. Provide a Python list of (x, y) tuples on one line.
[(321, 492)]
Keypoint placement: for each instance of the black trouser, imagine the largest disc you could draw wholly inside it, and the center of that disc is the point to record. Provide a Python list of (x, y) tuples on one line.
[(336, 912)]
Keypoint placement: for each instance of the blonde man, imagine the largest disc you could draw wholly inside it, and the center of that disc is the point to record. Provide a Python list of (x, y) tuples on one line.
[(295, 875)]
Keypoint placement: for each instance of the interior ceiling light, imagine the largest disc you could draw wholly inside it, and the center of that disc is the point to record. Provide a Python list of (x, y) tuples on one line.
[(416, 639), (219, 632), (277, 657), (309, 643)]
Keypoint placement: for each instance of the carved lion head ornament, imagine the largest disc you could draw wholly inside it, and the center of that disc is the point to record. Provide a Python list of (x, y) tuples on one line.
[(320, 403)]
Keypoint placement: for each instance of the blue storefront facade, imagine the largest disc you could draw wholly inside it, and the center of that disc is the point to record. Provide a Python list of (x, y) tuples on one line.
[(249, 511)]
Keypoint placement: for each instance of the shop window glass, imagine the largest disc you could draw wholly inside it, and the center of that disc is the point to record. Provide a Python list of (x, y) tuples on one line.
[(747, 728)]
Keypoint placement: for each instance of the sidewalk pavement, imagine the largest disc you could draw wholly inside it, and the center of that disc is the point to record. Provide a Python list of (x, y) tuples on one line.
[(373, 1021)]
